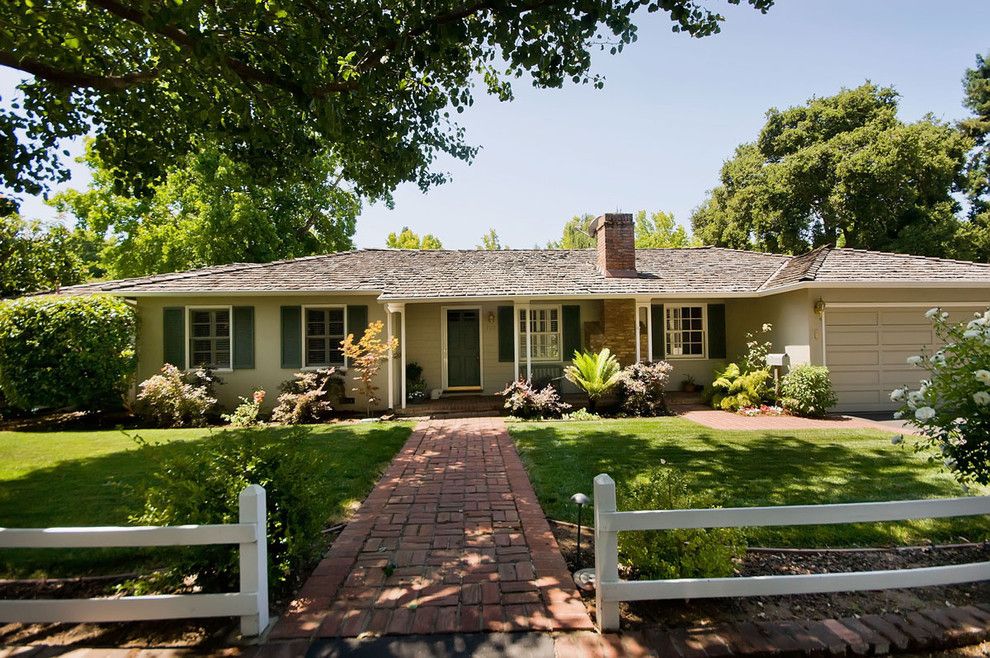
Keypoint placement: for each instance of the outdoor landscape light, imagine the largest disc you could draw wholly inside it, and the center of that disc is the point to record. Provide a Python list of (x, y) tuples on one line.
[(580, 500)]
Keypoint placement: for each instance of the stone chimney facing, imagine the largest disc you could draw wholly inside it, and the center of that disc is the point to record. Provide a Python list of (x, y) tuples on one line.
[(616, 238)]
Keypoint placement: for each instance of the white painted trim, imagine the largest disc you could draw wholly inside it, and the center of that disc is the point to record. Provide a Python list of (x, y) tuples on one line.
[(230, 331), (560, 332), (402, 354), (119, 536), (391, 357), (443, 343), (648, 307), (925, 305), (824, 340), (515, 337), (704, 331), (129, 608), (302, 330)]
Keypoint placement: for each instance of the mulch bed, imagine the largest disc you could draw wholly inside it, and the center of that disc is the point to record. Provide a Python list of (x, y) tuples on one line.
[(643, 615)]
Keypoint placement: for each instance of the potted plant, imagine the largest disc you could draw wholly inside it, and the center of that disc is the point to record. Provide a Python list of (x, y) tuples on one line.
[(688, 384), (416, 390)]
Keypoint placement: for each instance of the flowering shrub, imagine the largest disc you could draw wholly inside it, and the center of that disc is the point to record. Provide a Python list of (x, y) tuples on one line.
[(951, 406), (757, 348), (246, 413), (762, 410), (309, 398), (524, 401), (807, 391), (643, 386), (173, 398)]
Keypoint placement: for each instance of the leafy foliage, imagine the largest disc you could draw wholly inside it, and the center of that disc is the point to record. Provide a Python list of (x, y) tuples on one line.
[(202, 485), (491, 242), (35, 258), (406, 239), (734, 389), (659, 230), (247, 412), (275, 84), (643, 386), (173, 398), (309, 397), (684, 553), (840, 170), (594, 373), (807, 391), (974, 236), (576, 234), (523, 401), (208, 210), (951, 406), (758, 346), (58, 351), (366, 356)]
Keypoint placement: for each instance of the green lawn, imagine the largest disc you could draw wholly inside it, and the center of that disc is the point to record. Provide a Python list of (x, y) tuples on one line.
[(747, 469), (93, 478)]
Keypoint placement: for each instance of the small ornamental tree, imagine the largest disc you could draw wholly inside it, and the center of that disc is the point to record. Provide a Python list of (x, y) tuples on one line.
[(60, 351), (366, 356), (951, 406)]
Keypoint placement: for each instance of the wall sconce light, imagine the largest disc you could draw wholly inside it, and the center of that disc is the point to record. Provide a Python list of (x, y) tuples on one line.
[(491, 317), (820, 307)]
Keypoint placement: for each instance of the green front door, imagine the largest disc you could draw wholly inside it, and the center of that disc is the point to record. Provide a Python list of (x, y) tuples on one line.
[(463, 348)]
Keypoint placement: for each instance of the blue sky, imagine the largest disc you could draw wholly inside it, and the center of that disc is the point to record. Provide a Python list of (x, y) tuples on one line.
[(672, 110)]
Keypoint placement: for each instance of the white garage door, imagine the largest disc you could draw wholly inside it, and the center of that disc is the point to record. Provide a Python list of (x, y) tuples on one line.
[(866, 351)]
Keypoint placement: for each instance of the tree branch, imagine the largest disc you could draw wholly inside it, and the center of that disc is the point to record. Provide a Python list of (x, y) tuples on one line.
[(66, 78)]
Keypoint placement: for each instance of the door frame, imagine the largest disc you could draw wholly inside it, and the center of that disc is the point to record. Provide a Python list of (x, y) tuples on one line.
[(443, 348)]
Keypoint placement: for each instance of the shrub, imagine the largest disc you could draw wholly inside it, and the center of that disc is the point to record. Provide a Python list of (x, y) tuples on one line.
[(757, 348), (173, 398), (201, 485), (951, 406), (643, 386), (733, 390), (524, 401), (60, 352), (246, 413), (310, 397), (685, 553), (595, 374), (580, 415), (807, 391)]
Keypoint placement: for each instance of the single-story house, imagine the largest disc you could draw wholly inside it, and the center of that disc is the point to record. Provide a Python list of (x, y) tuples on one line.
[(475, 320)]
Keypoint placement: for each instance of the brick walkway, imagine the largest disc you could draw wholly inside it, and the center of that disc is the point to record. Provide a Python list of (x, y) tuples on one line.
[(452, 539), (724, 420)]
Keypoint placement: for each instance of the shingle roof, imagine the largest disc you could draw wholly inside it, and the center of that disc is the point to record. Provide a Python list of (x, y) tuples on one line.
[(396, 274)]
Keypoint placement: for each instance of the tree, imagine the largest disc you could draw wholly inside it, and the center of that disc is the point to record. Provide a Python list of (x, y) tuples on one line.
[(576, 234), (974, 235), (276, 84), (406, 239), (35, 257), (490, 241), (367, 356), (840, 170), (210, 211), (659, 230)]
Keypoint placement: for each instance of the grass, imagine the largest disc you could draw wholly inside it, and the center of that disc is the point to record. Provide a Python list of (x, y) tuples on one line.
[(742, 469), (95, 478)]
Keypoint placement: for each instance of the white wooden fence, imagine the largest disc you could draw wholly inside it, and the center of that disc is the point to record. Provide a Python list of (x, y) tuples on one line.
[(250, 603), (610, 589)]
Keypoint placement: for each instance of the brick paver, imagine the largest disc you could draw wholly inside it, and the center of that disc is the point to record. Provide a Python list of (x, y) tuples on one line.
[(725, 420), (452, 539)]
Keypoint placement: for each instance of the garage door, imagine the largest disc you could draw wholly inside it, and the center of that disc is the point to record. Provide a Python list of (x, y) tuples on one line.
[(867, 349)]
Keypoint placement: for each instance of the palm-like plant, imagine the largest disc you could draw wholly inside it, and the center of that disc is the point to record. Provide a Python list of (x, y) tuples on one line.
[(595, 374)]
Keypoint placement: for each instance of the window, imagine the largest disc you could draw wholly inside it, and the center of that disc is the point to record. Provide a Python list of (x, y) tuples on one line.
[(209, 337), (324, 330), (544, 331), (685, 331)]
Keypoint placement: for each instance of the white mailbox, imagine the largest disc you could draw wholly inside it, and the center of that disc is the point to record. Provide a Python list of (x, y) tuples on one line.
[(777, 360)]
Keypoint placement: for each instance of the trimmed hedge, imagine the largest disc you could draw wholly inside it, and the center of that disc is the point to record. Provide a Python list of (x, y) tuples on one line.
[(58, 351)]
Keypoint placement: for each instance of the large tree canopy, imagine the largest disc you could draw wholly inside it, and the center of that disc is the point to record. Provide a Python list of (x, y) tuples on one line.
[(34, 257), (272, 84), (975, 235), (209, 211), (840, 170), (407, 239), (653, 230)]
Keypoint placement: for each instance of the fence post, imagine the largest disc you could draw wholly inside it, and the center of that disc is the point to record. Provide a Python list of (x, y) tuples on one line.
[(606, 554), (254, 558)]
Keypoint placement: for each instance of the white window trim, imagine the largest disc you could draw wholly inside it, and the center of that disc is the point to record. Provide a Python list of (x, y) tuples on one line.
[(302, 330), (230, 329), (704, 332), (560, 331)]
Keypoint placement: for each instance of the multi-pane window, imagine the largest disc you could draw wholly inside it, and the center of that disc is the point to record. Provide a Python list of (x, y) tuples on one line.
[(324, 331), (685, 331), (209, 337), (544, 332)]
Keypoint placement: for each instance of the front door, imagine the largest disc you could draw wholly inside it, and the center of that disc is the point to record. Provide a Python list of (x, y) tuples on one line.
[(463, 348)]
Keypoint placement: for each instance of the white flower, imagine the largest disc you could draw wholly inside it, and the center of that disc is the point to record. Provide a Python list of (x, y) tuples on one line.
[(982, 376), (897, 395), (972, 333), (945, 316), (898, 415), (932, 312), (924, 413), (897, 438), (981, 398), (915, 360), (938, 358)]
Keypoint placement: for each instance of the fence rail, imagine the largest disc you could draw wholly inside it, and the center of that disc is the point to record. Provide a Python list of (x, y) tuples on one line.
[(250, 603), (610, 589)]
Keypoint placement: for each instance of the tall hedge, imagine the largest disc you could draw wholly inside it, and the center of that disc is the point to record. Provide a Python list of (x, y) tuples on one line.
[(59, 351)]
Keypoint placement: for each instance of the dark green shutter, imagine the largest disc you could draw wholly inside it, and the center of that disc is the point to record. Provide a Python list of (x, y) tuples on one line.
[(716, 331), (174, 331), (357, 321), (657, 320), (243, 337), (506, 338), (291, 336), (572, 331)]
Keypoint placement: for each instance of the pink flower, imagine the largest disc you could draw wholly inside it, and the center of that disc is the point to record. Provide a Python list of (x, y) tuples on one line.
[(259, 397)]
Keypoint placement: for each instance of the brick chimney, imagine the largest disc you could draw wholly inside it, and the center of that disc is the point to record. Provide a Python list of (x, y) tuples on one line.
[(616, 240)]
